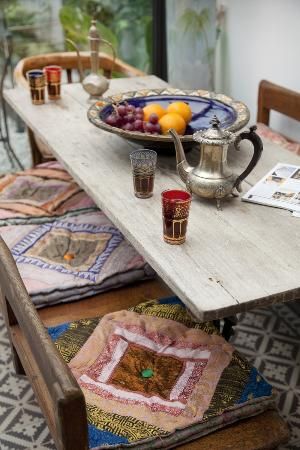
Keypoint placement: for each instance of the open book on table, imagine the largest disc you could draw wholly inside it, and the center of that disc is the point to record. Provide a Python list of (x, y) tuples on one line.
[(279, 188)]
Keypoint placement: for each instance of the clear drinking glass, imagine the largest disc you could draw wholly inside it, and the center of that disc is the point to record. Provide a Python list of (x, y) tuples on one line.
[(143, 163), (175, 209)]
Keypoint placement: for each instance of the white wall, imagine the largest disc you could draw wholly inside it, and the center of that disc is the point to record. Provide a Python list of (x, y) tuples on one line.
[(261, 41)]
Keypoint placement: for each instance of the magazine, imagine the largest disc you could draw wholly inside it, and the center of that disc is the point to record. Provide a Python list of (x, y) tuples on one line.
[(279, 188)]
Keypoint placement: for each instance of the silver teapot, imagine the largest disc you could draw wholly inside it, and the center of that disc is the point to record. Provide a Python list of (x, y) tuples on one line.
[(213, 178)]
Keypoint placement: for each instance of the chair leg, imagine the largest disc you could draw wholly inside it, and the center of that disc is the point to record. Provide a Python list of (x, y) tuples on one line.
[(10, 320)]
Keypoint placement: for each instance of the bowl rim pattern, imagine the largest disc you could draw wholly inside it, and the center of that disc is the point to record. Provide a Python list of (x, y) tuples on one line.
[(241, 110)]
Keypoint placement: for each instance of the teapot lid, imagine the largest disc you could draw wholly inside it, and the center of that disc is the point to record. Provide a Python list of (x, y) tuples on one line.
[(214, 135)]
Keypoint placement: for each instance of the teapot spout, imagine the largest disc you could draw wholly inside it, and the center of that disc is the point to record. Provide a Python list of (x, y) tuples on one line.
[(183, 168)]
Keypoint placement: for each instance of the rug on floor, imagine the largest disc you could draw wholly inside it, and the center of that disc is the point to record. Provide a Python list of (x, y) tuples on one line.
[(269, 338)]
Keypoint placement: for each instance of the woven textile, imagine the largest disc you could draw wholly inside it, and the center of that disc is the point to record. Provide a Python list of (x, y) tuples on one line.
[(73, 257), (156, 382), (267, 133), (38, 194)]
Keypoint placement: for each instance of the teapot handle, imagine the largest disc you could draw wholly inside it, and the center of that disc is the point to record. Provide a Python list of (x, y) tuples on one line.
[(257, 147)]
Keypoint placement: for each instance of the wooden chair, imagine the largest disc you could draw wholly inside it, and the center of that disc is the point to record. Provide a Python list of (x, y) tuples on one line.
[(277, 98), (69, 62), (56, 389)]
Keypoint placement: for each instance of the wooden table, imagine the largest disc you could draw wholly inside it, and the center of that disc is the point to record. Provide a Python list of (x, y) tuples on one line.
[(233, 260)]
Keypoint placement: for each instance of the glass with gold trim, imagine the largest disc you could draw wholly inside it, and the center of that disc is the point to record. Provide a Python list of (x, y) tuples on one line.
[(175, 210), (53, 79), (36, 81), (143, 163)]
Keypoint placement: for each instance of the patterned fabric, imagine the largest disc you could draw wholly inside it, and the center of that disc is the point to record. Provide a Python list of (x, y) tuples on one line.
[(41, 193), (73, 257), (156, 382), (266, 132)]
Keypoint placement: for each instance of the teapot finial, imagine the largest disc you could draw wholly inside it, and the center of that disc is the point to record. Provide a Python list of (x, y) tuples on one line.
[(215, 122)]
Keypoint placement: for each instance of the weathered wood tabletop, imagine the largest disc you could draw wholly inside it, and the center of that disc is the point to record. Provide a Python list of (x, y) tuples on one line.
[(241, 257)]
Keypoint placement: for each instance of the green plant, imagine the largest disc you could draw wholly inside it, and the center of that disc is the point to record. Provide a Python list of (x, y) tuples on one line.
[(25, 24), (121, 18), (196, 24), (76, 25)]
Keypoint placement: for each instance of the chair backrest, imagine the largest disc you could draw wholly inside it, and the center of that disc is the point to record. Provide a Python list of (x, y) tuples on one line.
[(277, 98), (69, 62)]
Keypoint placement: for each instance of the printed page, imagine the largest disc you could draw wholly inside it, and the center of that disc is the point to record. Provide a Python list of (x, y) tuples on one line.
[(279, 188)]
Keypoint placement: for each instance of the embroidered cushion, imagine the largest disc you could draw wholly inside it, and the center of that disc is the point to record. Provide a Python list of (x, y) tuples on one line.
[(38, 194), (73, 257), (266, 132), (154, 377)]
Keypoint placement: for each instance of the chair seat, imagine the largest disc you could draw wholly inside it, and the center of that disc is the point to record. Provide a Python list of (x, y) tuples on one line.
[(273, 136), (115, 390), (64, 246), (247, 434)]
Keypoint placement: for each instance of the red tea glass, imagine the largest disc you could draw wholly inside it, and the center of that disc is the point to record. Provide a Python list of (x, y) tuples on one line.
[(175, 209), (143, 163), (53, 80)]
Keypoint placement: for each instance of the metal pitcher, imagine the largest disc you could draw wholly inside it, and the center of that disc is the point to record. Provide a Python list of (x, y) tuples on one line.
[(94, 84), (213, 178)]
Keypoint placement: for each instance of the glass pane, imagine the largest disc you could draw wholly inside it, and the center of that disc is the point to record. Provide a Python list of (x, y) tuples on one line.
[(191, 37)]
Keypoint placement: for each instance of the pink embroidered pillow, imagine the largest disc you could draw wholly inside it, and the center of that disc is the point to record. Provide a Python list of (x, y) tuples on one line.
[(266, 132)]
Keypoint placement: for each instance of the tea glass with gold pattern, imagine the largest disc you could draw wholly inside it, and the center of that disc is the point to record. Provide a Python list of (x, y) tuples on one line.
[(36, 81), (175, 209), (143, 163), (53, 79)]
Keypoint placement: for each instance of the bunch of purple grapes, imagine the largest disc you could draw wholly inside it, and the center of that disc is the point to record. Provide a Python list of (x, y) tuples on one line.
[(131, 118)]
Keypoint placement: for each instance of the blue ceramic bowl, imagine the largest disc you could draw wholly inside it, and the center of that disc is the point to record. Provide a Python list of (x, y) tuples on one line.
[(233, 115)]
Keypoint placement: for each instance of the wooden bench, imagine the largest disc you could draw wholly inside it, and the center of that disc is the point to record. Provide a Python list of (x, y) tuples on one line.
[(55, 387)]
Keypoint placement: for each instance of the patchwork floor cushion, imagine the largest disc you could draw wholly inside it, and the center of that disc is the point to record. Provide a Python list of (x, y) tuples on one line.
[(73, 257), (38, 194), (266, 132), (153, 377)]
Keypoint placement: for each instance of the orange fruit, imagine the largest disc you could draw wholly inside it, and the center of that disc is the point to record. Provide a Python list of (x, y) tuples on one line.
[(153, 108), (181, 108), (172, 120)]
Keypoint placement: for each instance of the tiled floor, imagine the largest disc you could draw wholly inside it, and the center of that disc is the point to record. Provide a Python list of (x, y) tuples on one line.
[(269, 338)]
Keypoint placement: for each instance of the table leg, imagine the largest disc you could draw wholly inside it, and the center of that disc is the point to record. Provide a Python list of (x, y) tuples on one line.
[(228, 330)]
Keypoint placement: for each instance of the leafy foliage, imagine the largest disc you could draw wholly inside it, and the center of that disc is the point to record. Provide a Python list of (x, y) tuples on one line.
[(197, 24), (193, 22), (25, 25), (76, 25), (119, 19)]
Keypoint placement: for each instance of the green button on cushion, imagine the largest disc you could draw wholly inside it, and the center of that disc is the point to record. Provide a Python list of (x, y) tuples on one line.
[(147, 373)]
